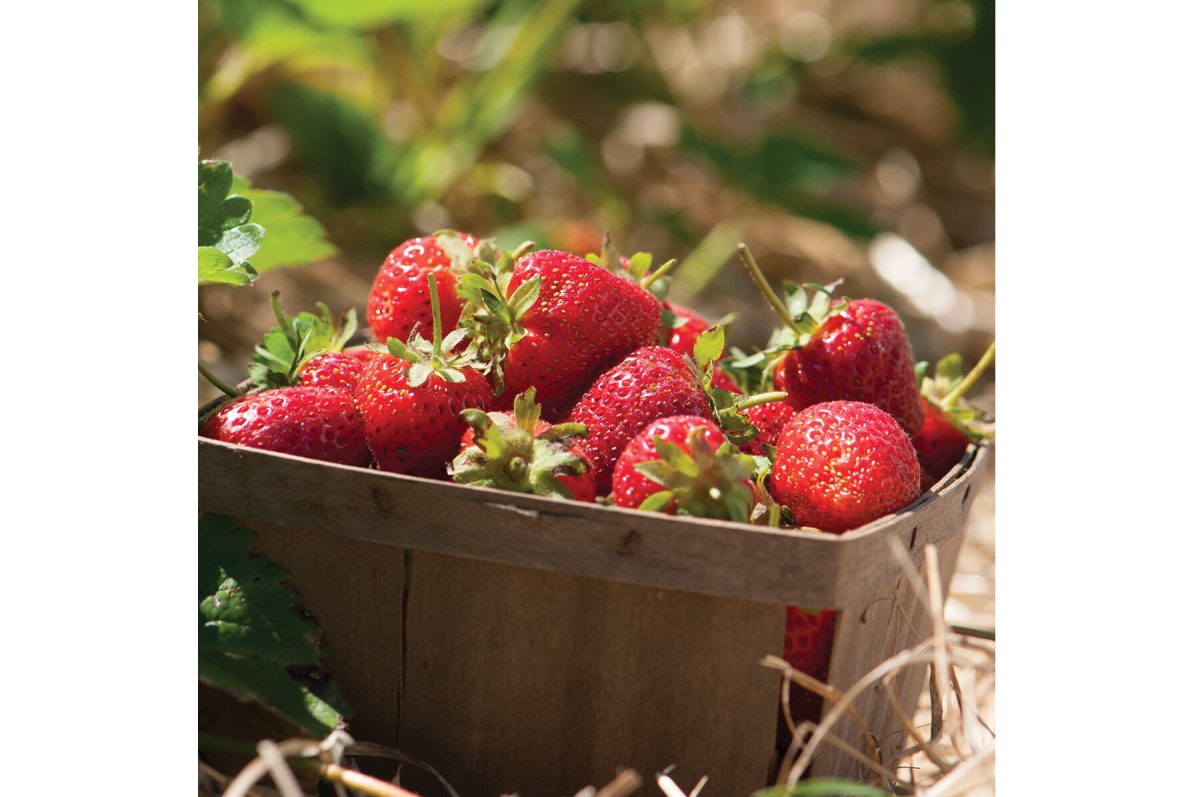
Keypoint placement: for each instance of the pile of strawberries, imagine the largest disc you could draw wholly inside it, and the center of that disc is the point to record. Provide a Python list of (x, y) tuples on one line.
[(548, 373), (485, 350)]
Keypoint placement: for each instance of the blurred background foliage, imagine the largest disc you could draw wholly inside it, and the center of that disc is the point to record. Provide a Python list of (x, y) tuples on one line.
[(838, 138)]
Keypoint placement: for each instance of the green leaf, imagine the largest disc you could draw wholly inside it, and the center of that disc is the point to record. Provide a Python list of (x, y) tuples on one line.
[(292, 237), (656, 502), (675, 456), (525, 296), (240, 243), (270, 686), (216, 267), (710, 344), (640, 263), (251, 628)]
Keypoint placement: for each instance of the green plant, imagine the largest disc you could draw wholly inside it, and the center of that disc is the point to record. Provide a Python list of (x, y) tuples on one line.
[(252, 631)]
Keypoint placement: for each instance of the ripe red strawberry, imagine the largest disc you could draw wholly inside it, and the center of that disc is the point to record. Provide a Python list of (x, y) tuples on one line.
[(557, 320), (841, 464), (684, 327), (950, 423), (769, 420), (315, 422), (411, 400), (684, 464), (519, 452), (724, 381), (844, 351), (339, 369), (807, 645), (651, 383), (399, 298)]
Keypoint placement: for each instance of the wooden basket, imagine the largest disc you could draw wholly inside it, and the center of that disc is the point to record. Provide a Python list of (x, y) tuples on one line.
[(522, 644)]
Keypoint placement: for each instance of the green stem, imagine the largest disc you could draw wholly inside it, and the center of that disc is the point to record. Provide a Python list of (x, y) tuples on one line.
[(280, 318), (437, 316), (765, 289), (658, 273), (217, 382), (523, 250), (754, 401), (962, 387)]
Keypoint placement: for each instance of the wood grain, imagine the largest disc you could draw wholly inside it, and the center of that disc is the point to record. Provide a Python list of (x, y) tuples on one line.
[(538, 682)]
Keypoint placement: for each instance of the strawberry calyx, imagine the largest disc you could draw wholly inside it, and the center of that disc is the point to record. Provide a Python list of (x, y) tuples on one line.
[(728, 408), (803, 316), (637, 268), (946, 388), (434, 357), (490, 314), (294, 341), (508, 453), (706, 482), (461, 254)]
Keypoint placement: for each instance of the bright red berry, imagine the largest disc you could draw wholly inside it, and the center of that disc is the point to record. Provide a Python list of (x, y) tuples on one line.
[(584, 320), (411, 400), (684, 464), (682, 338), (807, 645), (315, 422), (651, 383), (951, 423), (415, 429), (339, 369), (399, 298), (859, 354), (940, 445), (769, 420), (841, 464)]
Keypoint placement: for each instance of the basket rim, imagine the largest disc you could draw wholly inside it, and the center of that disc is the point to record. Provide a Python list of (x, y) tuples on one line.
[(365, 504)]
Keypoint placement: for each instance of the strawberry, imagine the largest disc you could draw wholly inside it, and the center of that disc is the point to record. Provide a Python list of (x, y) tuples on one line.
[(399, 300), (684, 465), (554, 320), (411, 401), (724, 381), (519, 452), (841, 464), (651, 383), (315, 422), (950, 423), (849, 350), (337, 369), (681, 327), (769, 419), (306, 349), (807, 645)]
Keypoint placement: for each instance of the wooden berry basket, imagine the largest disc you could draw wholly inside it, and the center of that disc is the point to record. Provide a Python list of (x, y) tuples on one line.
[(522, 644)]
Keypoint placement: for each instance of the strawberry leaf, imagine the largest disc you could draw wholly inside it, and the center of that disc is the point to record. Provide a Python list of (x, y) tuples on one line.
[(710, 345), (251, 630), (292, 238), (216, 267)]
